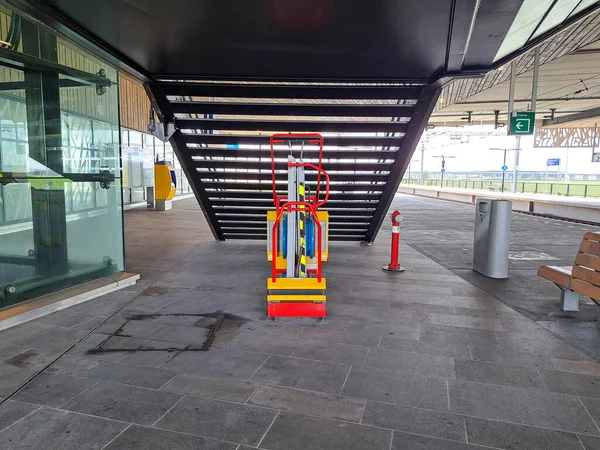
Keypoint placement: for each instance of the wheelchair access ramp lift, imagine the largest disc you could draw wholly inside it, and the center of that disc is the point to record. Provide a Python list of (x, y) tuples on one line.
[(297, 234)]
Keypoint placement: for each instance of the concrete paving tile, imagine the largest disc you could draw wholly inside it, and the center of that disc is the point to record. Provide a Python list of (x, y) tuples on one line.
[(138, 437), (214, 419), (593, 407), (217, 388), (349, 310), (165, 351), (295, 432), (519, 405), (317, 376), (149, 377), (218, 362), (400, 330), (431, 365), (399, 388), (456, 301), (223, 338), (84, 349), (457, 351), (8, 349), (125, 326), (265, 344), (194, 336), (12, 377), (12, 411), (53, 390), (49, 428), (66, 318), (125, 403), (498, 374), (309, 403), (71, 365), (328, 351), (414, 420), (465, 336), (340, 337), (266, 328), (591, 367), (480, 323), (517, 437), (571, 383), (404, 441), (539, 342), (32, 359), (51, 338), (90, 324), (590, 442), (397, 315), (516, 358)]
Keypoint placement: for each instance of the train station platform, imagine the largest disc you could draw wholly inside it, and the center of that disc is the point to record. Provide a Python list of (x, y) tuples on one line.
[(433, 358)]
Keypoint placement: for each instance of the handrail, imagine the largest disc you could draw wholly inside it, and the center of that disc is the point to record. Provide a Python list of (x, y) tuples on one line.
[(289, 206), (319, 170)]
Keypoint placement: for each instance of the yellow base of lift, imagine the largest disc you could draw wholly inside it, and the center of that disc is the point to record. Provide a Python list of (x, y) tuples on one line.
[(296, 297)]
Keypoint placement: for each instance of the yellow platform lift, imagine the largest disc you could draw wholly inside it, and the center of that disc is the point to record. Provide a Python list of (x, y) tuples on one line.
[(298, 237), (165, 185)]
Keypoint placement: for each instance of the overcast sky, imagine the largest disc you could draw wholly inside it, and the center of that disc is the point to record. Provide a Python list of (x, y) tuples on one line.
[(474, 154)]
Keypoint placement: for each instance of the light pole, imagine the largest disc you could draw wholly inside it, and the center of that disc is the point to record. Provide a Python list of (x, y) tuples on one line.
[(504, 164), (443, 166)]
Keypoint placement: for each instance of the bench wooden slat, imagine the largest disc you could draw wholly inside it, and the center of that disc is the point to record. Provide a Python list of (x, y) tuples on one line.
[(585, 260), (590, 247), (592, 236), (587, 275), (557, 275), (589, 290)]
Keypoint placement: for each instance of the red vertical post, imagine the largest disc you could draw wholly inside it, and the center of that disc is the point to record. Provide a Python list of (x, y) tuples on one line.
[(394, 265)]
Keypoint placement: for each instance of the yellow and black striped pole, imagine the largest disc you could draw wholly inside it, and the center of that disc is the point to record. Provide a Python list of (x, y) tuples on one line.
[(302, 228)]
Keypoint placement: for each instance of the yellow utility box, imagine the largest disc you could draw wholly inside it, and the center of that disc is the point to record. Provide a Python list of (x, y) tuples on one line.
[(165, 185)]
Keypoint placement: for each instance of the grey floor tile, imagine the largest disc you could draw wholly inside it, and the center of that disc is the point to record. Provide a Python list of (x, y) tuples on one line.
[(455, 335), (138, 437), (593, 407), (415, 420), (517, 437), (400, 330), (53, 390), (126, 403), (86, 347), (12, 377), (498, 374), (404, 441), (225, 421), (12, 411), (519, 405), (184, 335), (217, 388), (71, 365), (153, 358), (456, 351), (399, 388), (340, 337), (582, 367), (218, 362), (52, 338), (590, 442), (481, 323), (124, 325), (32, 359), (571, 383), (431, 365), (539, 342), (310, 403), (295, 432), (317, 376), (265, 344), (149, 377), (8, 349), (53, 429), (516, 358), (328, 351)]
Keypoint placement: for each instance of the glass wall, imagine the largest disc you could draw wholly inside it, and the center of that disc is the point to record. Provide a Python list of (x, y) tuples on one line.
[(61, 217)]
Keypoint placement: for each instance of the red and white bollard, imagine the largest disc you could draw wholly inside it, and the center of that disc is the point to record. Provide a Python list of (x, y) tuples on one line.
[(394, 265)]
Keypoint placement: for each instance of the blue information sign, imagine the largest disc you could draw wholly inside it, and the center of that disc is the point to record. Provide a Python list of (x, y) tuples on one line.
[(232, 146), (553, 162), (504, 167), (443, 170)]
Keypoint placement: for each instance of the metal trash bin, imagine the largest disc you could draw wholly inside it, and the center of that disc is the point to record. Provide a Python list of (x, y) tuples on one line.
[(492, 237)]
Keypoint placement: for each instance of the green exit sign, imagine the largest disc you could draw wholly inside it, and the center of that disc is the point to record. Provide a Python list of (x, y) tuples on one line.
[(521, 123)]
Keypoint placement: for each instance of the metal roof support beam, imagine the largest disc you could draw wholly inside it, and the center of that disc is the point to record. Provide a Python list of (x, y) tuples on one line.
[(162, 107), (349, 141), (416, 126), (238, 90)]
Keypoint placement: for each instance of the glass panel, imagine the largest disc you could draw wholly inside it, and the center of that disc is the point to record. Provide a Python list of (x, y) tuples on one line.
[(60, 193), (559, 12)]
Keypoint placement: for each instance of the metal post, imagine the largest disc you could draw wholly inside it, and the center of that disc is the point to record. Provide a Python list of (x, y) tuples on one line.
[(536, 74), (511, 91), (292, 222), (516, 168), (422, 161), (557, 178), (504, 171), (546, 181), (394, 265)]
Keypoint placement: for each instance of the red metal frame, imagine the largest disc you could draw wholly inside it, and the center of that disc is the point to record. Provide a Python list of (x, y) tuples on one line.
[(296, 309), (313, 138), (295, 206)]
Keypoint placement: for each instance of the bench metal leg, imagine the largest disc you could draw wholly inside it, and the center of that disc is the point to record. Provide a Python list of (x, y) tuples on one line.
[(569, 300)]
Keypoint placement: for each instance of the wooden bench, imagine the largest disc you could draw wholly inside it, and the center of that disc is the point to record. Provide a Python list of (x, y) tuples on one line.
[(581, 279)]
